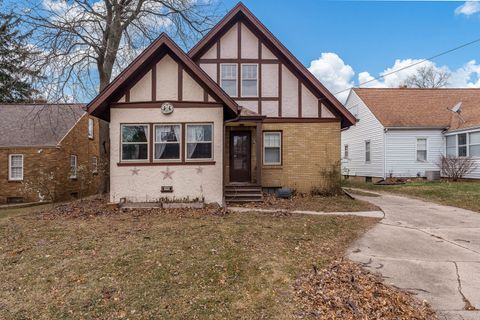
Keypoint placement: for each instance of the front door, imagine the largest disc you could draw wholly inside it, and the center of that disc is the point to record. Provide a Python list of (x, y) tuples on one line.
[(240, 162)]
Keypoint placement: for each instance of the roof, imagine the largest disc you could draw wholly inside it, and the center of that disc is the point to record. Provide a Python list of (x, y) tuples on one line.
[(163, 44), (241, 12), (423, 108), (25, 125)]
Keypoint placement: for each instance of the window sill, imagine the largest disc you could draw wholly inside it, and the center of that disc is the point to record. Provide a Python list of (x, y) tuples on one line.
[(15, 180), (187, 163), (272, 166)]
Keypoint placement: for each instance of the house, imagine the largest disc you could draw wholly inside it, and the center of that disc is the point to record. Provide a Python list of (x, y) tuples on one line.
[(403, 132), (238, 113), (50, 152)]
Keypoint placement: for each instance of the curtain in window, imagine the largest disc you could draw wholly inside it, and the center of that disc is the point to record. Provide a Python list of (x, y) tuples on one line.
[(167, 142), (199, 141)]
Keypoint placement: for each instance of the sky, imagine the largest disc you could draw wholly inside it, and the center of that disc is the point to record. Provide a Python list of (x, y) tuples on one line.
[(345, 43)]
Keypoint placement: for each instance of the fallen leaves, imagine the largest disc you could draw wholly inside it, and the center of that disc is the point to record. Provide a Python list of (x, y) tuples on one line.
[(345, 290)]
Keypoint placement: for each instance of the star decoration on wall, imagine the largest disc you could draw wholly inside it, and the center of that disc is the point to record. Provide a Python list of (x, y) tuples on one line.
[(135, 171), (168, 174), (199, 170)]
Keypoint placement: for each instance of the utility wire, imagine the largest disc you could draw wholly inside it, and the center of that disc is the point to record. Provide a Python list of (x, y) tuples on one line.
[(411, 65)]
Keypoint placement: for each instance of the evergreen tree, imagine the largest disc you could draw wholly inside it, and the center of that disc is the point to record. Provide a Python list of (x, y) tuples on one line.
[(16, 75)]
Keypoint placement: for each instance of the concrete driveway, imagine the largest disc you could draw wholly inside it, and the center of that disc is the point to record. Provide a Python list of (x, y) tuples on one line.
[(428, 249)]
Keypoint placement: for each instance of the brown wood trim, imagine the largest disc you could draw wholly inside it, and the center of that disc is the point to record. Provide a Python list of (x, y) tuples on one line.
[(156, 163), (151, 144), (205, 96), (300, 120), (127, 95), (299, 98), (219, 52), (154, 82), (279, 89), (259, 155), (183, 145), (234, 60), (180, 83), (257, 98), (176, 104), (239, 40), (259, 77), (281, 150), (319, 108)]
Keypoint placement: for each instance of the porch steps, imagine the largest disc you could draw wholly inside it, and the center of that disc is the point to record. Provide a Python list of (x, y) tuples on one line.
[(243, 193)]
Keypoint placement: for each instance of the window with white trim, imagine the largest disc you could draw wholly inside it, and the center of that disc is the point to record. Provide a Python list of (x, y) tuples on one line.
[(451, 146), (228, 78), (367, 151), (199, 141), (94, 165), (422, 149), (249, 80), (345, 151), (15, 167), (272, 148), (73, 166), (462, 144), (474, 144), (90, 128), (167, 142), (134, 142)]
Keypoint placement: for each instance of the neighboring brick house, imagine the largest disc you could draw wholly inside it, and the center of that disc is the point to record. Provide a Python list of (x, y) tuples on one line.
[(51, 152), (238, 113)]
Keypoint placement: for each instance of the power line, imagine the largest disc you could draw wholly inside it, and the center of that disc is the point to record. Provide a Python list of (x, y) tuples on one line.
[(411, 65)]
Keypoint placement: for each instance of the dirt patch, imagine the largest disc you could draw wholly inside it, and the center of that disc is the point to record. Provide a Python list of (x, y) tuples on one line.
[(345, 290)]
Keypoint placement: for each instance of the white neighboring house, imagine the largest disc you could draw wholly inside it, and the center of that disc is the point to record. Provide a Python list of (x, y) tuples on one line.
[(402, 132)]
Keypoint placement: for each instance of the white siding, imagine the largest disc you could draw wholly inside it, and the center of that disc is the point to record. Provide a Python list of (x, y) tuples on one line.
[(401, 152), (367, 128)]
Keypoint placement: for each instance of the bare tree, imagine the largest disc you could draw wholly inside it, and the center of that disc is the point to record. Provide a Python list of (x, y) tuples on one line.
[(456, 168), (428, 77), (84, 43)]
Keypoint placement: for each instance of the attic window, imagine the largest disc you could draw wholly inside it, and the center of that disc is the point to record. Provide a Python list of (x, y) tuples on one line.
[(228, 79)]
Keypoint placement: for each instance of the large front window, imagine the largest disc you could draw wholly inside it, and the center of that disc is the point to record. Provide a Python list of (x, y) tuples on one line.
[(249, 80), (167, 142), (228, 79), (451, 146), (474, 144), (135, 142), (272, 144), (463, 144), (199, 141)]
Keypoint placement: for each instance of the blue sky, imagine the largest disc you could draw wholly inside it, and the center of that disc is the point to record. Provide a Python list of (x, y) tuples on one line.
[(370, 35)]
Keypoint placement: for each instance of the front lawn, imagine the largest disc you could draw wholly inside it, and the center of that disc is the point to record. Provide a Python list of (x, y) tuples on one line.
[(464, 194), (76, 263)]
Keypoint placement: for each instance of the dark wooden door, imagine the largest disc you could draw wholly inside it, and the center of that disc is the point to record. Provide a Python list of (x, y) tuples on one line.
[(240, 152)]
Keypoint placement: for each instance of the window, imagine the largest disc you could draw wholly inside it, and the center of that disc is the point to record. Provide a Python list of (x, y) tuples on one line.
[(474, 144), (15, 172), (422, 150), (199, 141), (345, 151), (167, 142), (249, 80), (272, 145), (94, 165), (134, 142), (451, 145), (462, 145), (228, 79), (90, 128), (73, 166), (367, 151)]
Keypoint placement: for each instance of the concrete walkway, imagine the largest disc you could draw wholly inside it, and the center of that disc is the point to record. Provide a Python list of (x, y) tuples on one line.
[(369, 214), (428, 249)]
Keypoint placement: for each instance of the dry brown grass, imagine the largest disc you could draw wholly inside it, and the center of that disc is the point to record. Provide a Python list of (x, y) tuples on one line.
[(160, 265)]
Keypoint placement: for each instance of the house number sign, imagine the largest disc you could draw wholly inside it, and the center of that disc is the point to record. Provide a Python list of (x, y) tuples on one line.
[(166, 108)]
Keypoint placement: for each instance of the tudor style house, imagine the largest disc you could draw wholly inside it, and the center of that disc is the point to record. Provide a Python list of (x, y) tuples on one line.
[(403, 132), (50, 152), (238, 113)]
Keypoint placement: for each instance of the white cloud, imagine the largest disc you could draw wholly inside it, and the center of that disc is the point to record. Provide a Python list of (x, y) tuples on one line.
[(468, 8), (333, 73)]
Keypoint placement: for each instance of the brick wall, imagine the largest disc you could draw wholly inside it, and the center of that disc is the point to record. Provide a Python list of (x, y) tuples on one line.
[(41, 161), (307, 149)]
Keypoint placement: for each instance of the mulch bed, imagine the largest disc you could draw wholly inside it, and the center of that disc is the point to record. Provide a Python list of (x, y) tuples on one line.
[(345, 290)]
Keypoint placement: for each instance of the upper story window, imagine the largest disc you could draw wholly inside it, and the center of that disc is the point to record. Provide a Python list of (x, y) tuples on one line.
[(167, 142), (422, 149), (199, 141), (90, 128), (228, 79), (249, 80), (134, 142), (272, 148), (367, 151), (15, 167)]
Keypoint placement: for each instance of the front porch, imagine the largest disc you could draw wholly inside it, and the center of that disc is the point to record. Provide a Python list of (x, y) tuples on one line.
[(243, 158)]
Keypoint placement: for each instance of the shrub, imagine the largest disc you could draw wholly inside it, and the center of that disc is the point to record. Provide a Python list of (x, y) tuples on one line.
[(455, 168), (331, 184)]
